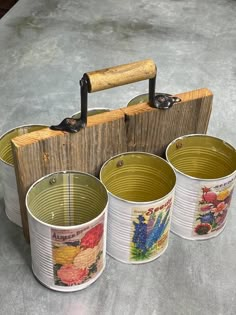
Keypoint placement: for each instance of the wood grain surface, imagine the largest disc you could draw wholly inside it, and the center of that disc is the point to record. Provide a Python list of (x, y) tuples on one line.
[(121, 75), (48, 151), (150, 130), (134, 128)]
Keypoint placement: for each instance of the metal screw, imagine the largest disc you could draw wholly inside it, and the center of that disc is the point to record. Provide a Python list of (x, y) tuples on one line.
[(52, 181), (120, 163), (179, 144)]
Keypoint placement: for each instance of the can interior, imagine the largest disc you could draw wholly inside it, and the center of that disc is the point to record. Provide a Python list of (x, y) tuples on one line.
[(202, 157), (138, 177), (138, 100), (66, 199), (5, 141)]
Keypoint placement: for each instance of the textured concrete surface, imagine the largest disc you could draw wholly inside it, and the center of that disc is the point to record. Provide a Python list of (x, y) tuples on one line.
[(45, 47)]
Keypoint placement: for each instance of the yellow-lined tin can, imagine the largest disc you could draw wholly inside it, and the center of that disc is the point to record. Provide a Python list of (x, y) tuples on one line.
[(67, 213), (141, 191), (92, 112), (7, 171), (206, 169)]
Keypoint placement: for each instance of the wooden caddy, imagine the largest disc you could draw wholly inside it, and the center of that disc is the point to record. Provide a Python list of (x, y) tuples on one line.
[(135, 128)]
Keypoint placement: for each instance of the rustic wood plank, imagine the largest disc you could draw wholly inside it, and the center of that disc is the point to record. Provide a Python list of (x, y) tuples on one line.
[(48, 151), (134, 128), (150, 130)]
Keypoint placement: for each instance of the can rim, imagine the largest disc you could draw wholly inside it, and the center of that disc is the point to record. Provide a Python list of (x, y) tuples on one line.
[(139, 202), (13, 129), (60, 227), (92, 109), (193, 177), (140, 95)]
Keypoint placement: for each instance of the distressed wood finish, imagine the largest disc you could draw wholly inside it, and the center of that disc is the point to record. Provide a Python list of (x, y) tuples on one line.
[(134, 128), (120, 75), (48, 151), (150, 130)]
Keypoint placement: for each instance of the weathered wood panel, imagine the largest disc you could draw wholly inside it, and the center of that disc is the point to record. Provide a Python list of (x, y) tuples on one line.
[(48, 151), (134, 128), (150, 130)]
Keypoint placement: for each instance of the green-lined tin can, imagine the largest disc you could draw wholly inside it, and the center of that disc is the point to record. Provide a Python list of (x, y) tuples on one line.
[(67, 213), (141, 191), (206, 170), (7, 171)]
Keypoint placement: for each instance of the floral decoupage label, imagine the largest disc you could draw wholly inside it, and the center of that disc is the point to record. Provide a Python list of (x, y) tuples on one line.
[(77, 254), (213, 207), (150, 229)]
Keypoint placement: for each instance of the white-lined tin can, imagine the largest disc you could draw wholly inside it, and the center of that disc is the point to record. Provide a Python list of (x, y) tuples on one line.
[(7, 171), (67, 213), (206, 170), (141, 191)]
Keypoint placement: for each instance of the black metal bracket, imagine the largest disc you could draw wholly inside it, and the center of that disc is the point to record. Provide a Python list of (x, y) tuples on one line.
[(160, 100), (151, 91), (165, 101), (156, 100), (72, 124)]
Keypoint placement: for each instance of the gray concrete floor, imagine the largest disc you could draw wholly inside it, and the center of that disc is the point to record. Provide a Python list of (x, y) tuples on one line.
[(45, 47)]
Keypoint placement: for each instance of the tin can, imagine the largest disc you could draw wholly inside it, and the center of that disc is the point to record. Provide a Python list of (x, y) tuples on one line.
[(206, 169), (139, 99), (7, 171), (92, 112), (67, 213), (141, 191)]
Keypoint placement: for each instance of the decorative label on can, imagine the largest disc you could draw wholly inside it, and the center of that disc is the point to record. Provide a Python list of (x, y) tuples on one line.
[(77, 254), (213, 207), (150, 229)]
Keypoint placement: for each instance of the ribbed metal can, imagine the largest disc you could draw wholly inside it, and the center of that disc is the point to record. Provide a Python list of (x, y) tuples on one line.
[(206, 170), (67, 213), (7, 171), (141, 192)]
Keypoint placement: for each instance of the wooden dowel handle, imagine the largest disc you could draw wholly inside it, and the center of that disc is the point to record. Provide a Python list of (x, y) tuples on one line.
[(121, 75)]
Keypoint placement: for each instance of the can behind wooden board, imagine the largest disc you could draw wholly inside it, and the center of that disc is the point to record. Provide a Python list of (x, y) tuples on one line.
[(7, 172)]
